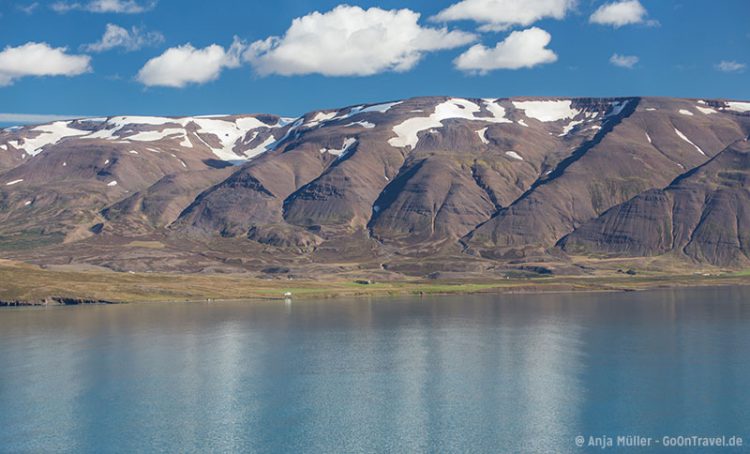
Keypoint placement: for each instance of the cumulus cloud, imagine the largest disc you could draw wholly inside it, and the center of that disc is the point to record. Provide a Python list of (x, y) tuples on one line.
[(351, 41), (180, 66), (624, 61), (620, 13), (731, 66), (39, 59), (497, 15), (521, 49), (130, 40), (105, 6)]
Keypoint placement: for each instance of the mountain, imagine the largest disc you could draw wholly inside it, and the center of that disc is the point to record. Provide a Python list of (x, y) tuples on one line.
[(704, 215), (419, 186)]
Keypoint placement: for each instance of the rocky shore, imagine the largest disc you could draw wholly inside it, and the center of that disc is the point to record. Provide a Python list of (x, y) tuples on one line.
[(53, 301)]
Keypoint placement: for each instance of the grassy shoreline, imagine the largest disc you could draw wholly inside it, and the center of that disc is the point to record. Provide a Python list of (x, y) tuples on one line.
[(29, 284)]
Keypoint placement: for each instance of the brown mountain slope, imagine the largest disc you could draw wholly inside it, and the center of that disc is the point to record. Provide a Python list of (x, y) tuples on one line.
[(162, 203), (452, 164), (422, 184), (66, 172), (646, 145), (704, 215)]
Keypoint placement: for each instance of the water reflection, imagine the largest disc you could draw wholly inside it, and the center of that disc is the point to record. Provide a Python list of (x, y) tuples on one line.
[(458, 374)]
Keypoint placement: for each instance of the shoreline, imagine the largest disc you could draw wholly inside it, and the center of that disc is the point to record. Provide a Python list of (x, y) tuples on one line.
[(151, 288)]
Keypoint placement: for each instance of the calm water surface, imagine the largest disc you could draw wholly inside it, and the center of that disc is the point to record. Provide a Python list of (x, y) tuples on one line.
[(446, 374)]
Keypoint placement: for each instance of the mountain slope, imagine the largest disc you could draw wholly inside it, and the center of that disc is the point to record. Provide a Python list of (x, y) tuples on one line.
[(704, 215), (420, 184), (640, 147)]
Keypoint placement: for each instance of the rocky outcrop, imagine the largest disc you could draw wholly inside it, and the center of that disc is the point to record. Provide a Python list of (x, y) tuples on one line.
[(54, 300)]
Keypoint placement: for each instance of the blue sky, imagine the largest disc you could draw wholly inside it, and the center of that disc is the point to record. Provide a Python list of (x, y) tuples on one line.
[(685, 48)]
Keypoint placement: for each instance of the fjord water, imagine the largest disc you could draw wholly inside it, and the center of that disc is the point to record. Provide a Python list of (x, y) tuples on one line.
[(519, 373)]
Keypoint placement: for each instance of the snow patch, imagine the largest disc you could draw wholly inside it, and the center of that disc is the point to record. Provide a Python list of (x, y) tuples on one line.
[(105, 134), (483, 135), (683, 137), (381, 108), (523, 123), (260, 149), (28, 202), (617, 108), (705, 110), (567, 129), (283, 121), (648, 137), (547, 111), (14, 182), (378, 108), (739, 106), (514, 155), (408, 131), (685, 112), (320, 118), (133, 152), (48, 135), (121, 122), (250, 123), (497, 111), (364, 124), (228, 131), (153, 136), (251, 138), (348, 143), (650, 109)]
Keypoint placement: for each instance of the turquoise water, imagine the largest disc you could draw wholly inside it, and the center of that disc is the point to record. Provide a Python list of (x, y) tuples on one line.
[(524, 373)]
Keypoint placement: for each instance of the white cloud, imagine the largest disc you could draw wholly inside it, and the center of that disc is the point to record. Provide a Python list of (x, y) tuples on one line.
[(521, 49), (105, 6), (620, 13), (39, 59), (28, 9), (351, 41), (130, 40), (624, 61), (731, 66), (184, 65), (499, 15)]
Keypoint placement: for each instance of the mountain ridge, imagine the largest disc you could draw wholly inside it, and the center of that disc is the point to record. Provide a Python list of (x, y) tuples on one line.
[(418, 185)]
